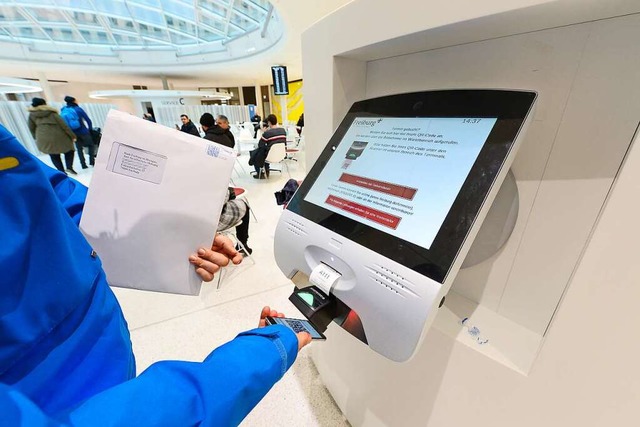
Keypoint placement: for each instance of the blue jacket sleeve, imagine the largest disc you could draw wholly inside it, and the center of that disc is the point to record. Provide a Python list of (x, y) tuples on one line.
[(18, 411), (220, 391), (84, 116), (70, 192)]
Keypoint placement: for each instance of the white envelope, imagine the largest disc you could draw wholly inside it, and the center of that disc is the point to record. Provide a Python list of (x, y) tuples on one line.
[(155, 198)]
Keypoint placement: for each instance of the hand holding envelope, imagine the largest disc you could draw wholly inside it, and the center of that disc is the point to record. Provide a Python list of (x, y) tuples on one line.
[(209, 261), (143, 215)]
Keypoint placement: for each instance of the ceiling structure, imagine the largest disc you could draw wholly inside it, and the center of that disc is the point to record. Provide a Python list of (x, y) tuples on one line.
[(140, 41), (106, 30)]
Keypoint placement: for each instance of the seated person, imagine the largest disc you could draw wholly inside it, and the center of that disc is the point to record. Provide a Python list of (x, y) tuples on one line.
[(213, 132), (223, 123), (188, 126), (236, 211), (273, 135)]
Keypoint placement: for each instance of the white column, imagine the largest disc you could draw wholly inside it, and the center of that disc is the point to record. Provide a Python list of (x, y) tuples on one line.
[(241, 95), (44, 83), (165, 83), (259, 101), (283, 108)]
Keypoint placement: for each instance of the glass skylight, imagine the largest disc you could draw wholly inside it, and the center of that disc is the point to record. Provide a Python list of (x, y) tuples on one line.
[(106, 27)]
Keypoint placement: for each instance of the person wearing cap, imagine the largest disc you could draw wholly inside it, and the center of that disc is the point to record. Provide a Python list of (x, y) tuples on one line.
[(213, 132), (52, 135), (83, 136)]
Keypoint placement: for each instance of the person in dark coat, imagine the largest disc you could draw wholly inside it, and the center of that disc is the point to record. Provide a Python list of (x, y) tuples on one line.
[(83, 137), (300, 124), (213, 132), (257, 122), (148, 117), (223, 122), (188, 126), (52, 135)]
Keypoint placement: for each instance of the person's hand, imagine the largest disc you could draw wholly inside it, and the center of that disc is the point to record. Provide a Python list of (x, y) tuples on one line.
[(304, 338), (209, 261)]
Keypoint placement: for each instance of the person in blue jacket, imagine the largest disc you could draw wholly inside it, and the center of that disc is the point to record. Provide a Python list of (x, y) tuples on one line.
[(82, 131), (65, 351)]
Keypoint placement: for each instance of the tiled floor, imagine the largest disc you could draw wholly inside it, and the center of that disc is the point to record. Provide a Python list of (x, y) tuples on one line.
[(188, 327)]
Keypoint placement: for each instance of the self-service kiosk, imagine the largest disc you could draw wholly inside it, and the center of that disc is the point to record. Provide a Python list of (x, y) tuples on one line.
[(376, 233)]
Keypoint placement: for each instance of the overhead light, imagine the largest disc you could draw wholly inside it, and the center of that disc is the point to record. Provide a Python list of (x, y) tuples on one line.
[(13, 85), (151, 94)]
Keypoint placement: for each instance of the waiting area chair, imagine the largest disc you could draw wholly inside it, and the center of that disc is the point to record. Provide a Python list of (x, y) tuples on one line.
[(243, 192), (291, 154), (231, 233), (277, 153)]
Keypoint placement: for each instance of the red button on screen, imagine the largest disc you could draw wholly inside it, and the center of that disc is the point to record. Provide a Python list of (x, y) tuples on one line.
[(371, 214), (380, 186)]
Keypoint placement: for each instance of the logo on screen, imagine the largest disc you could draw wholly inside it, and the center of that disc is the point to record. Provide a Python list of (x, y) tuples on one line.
[(366, 122)]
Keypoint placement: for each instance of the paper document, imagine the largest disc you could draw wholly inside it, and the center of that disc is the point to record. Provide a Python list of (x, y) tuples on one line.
[(154, 199)]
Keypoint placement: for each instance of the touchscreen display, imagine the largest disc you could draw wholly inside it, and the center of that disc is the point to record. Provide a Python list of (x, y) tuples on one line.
[(406, 175), (401, 175)]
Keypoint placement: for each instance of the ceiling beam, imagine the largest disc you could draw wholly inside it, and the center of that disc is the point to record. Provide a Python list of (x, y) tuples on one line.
[(263, 33), (105, 24), (228, 18), (26, 15)]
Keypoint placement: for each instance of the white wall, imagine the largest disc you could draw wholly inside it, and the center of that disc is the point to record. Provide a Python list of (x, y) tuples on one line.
[(382, 31), (363, 23), (588, 109), (81, 90)]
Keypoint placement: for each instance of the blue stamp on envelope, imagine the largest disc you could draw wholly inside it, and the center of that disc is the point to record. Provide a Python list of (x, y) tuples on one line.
[(213, 151)]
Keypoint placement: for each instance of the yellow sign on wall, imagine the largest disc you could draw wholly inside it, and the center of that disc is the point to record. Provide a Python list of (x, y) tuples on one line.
[(295, 104)]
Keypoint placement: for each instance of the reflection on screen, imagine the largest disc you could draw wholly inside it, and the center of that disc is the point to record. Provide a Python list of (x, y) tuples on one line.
[(401, 175)]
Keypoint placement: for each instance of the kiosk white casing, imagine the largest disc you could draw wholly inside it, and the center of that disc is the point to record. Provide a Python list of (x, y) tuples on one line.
[(395, 297), (556, 300), (371, 284)]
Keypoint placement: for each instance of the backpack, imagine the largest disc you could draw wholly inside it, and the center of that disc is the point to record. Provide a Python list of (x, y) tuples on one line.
[(283, 196), (96, 135), (70, 116)]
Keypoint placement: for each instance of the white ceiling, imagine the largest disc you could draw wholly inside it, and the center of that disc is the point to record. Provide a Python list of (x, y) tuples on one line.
[(296, 15)]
